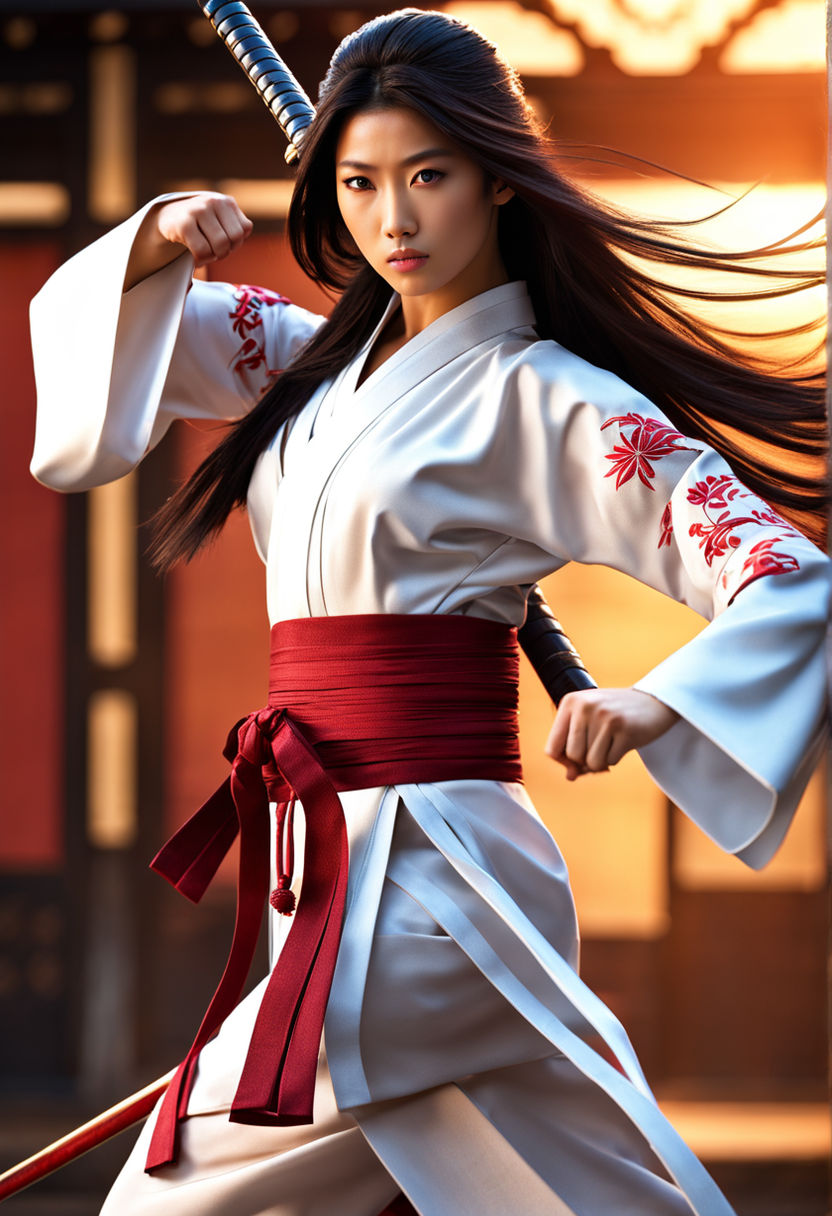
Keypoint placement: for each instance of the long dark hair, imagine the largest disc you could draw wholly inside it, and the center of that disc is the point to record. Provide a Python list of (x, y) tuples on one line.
[(585, 264)]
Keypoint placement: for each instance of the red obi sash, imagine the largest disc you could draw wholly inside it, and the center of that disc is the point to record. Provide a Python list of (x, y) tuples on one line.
[(355, 702)]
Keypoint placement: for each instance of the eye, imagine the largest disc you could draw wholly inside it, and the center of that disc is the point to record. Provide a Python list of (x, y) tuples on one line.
[(427, 177), (358, 183)]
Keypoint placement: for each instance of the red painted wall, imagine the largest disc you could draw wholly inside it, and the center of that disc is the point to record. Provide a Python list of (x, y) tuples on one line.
[(31, 599)]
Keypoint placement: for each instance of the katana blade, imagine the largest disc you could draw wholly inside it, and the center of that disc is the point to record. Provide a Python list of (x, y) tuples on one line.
[(109, 1123)]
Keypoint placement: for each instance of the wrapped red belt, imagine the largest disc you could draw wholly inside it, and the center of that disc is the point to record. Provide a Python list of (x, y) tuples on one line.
[(355, 702)]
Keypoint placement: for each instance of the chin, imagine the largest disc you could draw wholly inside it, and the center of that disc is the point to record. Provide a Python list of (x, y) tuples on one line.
[(413, 289), (417, 283)]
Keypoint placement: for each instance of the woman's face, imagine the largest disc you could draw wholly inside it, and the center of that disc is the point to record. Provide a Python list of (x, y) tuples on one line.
[(421, 212)]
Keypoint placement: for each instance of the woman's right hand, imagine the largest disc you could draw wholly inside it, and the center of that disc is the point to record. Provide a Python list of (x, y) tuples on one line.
[(595, 727), (208, 225)]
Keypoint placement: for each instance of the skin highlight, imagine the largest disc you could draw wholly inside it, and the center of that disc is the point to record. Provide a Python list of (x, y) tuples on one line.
[(404, 187)]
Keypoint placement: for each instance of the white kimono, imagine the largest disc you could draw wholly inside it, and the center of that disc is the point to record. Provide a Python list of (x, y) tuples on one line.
[(474, 461)]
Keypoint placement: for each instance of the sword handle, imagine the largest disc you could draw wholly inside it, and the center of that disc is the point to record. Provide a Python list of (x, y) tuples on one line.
[(250, 46), (559, 667)]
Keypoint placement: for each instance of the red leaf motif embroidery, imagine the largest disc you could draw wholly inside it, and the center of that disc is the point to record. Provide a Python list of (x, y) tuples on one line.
[(716, 536), (648, 440), (246, 320), (721, 494), (762, 560), (249, 357), (717, 491), (666, 527)]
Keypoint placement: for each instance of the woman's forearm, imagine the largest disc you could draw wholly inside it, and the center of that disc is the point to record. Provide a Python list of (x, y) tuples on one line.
[(207, 225), (151, 251)]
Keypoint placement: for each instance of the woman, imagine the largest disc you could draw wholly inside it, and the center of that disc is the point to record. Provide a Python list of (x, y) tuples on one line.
[(426, 455)]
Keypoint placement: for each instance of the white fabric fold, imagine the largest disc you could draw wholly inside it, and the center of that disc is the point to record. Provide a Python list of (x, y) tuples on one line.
[(493, 931), (95, 414), (476, 460)]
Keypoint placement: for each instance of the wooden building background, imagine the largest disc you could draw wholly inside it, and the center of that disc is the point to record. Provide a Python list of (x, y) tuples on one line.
[(117, 688)]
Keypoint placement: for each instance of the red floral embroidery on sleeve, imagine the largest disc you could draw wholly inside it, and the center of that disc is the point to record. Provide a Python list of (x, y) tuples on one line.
[(719, 498), (666, 527), (648, 441), (761, 560), (246, 320)]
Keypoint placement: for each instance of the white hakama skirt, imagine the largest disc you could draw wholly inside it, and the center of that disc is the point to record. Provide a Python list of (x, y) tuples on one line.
[(472, 1111)]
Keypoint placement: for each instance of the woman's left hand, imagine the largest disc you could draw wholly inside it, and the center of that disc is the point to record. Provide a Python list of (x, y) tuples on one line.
[(593, 729)]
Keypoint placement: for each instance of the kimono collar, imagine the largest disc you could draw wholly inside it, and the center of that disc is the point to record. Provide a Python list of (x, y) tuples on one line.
[(477, 321), (480, 319), (509, 306)]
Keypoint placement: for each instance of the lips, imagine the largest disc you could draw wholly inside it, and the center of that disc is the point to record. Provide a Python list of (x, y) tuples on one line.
[(407, 259)]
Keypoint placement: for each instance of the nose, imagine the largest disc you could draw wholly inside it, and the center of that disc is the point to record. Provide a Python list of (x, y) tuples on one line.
[(398, 218)]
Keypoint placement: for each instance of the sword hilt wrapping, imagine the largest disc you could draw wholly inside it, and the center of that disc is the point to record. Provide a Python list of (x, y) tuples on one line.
[(250, 46), (556, 661)]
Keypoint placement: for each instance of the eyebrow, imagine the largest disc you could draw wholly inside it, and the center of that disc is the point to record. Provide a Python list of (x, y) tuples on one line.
[(428, 154)]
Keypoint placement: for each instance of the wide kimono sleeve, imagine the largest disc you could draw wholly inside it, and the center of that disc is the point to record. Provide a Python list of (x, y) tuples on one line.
[(114, 368), (607, 479)]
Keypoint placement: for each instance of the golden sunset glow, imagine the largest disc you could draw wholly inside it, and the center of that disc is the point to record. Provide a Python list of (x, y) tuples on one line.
[(789, 38), (765, 214), (529, 41), (653, 37)]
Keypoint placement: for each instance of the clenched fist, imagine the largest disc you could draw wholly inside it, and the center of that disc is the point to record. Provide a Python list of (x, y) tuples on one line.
[(595, 728), (208, 225)]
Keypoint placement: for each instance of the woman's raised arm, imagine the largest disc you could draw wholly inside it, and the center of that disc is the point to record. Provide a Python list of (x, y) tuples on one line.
[(125, 340), (207, 225)]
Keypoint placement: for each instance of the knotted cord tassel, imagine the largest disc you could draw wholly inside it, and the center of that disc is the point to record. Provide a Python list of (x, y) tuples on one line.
[(282, 899)]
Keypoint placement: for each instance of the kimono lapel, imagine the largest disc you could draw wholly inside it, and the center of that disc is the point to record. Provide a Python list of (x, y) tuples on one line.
[(478, 320), (333, 421), (329, 427)]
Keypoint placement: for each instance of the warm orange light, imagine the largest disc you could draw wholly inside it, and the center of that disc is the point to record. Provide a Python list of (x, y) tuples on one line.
[(767, 213), (652, 37), (789, 38), (530, 42)]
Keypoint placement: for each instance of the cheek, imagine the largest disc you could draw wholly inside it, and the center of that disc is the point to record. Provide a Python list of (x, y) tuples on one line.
[(467, 216), (352, 217)]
